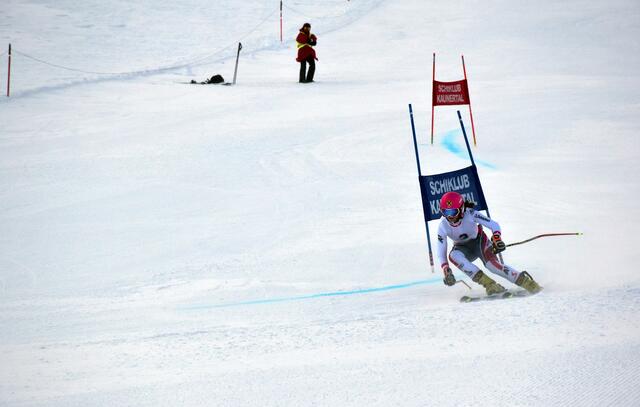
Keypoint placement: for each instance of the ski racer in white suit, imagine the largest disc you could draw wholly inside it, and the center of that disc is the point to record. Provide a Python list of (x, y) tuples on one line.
[(462, 224)]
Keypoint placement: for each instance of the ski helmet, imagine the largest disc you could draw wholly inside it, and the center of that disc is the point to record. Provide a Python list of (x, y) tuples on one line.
[(452, 207)]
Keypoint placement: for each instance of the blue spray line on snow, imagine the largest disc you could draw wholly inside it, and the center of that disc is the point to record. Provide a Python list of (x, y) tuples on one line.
[(313, 296), (449, 142)]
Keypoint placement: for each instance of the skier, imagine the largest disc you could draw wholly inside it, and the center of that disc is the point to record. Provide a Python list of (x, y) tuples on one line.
[(462, 224), (306, 54)]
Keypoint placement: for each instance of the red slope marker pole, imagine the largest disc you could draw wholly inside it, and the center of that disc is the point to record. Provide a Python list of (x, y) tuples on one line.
[(473, 128), (433, 80)]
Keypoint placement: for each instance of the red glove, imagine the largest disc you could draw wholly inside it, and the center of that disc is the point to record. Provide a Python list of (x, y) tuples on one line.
[(498, 244), (449, 278)]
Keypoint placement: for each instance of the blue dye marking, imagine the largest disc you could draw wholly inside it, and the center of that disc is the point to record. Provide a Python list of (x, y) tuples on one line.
[(313, 296), (449, 142)]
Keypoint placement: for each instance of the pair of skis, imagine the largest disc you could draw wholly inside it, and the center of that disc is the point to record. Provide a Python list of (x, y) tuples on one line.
[(514, 293)]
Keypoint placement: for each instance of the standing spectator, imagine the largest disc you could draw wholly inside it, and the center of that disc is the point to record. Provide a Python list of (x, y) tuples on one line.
[(306, 54)]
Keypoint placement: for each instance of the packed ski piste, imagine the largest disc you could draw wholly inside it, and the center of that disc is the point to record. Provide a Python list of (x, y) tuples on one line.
[(165, 241)]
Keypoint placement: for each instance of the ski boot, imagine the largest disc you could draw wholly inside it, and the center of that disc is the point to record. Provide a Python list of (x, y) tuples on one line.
[(491, 286), (528, 283)]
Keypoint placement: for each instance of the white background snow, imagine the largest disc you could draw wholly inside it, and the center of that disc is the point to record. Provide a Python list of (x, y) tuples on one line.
[(165, 244)]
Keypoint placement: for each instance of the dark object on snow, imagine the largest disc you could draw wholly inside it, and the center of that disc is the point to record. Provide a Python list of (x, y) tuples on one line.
[(215, 79)]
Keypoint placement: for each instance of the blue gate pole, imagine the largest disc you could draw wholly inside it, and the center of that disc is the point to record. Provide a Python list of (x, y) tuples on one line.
[(466, 140), (426, 222)]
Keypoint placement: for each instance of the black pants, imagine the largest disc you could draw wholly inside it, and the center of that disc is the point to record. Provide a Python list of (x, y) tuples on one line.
[(304, 75)]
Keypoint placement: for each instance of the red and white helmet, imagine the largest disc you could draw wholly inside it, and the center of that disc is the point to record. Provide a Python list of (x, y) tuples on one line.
[(452, 207)]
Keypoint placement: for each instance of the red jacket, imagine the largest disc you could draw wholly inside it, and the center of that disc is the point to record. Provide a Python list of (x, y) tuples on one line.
[(305, 49)]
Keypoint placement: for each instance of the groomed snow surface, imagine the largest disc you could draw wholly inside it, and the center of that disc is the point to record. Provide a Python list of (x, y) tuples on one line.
[(166, 244)]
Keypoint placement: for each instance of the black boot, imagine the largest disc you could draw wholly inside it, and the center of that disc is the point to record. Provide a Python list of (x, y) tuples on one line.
[(312, 69), (303, 70)]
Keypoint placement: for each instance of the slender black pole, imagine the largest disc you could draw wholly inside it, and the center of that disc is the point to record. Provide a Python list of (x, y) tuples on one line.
[(235, 72), (280, 20), (415, 142), (426, 222), (9, 73)]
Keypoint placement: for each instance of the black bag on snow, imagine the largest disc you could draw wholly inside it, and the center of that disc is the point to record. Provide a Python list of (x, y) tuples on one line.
[(216, 79)]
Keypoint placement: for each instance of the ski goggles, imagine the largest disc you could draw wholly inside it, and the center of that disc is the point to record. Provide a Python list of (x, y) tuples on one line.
[(451, 212)]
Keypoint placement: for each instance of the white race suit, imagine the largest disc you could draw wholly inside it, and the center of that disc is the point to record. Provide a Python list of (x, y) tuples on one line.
[(470, 243)]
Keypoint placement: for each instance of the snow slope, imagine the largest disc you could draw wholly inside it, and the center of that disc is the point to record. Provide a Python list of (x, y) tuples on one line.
[(263, 244)]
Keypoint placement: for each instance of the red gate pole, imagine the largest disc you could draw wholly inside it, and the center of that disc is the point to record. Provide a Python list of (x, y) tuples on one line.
[(473, 128), (432, 90), (9, 72), (280, 20)]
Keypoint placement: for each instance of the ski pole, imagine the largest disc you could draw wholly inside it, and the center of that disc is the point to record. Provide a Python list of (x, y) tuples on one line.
[(545, 235), (462, 281)]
